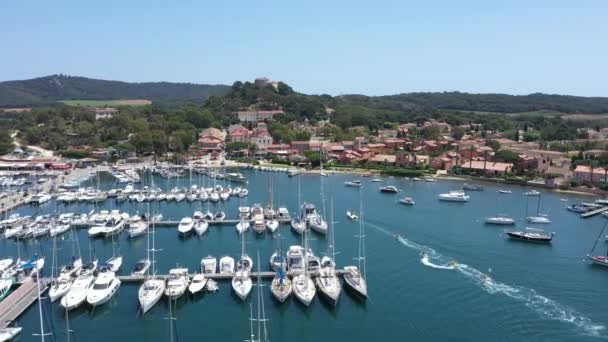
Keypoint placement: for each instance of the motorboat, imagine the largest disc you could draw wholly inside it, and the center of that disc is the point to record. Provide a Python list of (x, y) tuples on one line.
[(578, 208), (471, 187), (185, 225), (113, 227), (137, 228), (198, 215), (219, 216), (500, 220), (259, 226), (532, 193), (150, 293), (177, 283), (141, 267), (104, 287), (214, 196), (283, 214), (58, 229), (389, 189), (5, 286), (531, 235), (243, 193), (224, 195), (77, 294), (39, 199), (5, 263), (13, 232), (454, 196), (209, 265), (114, 263), (200, 227), (355, 280), (277, 262), (197, 284), (376, 180), (352, 215), (407, 201), (70, 270), (353, 183), (180, 197), (540, 219), (295, 259), (272, 225), (227, 265), (242, 226)]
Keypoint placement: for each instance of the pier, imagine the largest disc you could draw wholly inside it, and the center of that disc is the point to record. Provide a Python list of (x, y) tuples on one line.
[(594, 212), (172, 223), (219, 276), (19, 300)]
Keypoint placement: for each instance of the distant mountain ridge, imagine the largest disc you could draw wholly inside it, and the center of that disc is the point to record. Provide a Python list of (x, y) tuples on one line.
[(50, 89)]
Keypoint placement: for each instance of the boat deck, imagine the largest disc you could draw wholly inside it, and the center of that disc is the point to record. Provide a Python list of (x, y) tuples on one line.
[(19, 300)]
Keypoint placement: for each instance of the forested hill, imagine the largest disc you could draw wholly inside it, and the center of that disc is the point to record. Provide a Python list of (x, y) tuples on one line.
[(502, 103), (48, 90)]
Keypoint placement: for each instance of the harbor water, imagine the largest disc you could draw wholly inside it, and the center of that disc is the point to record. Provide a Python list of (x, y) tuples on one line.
[(534, 293)]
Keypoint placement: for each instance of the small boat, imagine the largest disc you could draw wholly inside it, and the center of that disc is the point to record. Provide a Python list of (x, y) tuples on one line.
[(272, 225), (104, 287), (538, 219), (114, 263), (58, 229), (353, 183), (389, 189), (454, 196), (318, 224), (242, 227), (600, 260), (376, 180), (7, 334), (531, 235), (259, 226), (200, 227), (505, 191), (141, 267), (185, 225), (198, 283), (352, 215), (469, 187), (277, 261), (532, 193), (281, 286), (500, 220), (227, 265), (243, 193), (177, 283), (209, 265), (407, 201), (429, 180), (578, 208), (219, 216)]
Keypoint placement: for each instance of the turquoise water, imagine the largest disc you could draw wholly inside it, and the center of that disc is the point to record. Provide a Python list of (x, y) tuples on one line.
[(537, 292)]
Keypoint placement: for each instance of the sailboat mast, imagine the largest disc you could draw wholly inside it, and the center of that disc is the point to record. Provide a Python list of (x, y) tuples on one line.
[(362, 256), (38, 280), (259, 300)]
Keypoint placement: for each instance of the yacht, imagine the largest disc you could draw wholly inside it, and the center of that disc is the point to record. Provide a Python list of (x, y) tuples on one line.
[(198, 283), (150, 293), (104, 287), (281, 286), (454, 196), (200, 227), (5, 263), (114, 263), (185, 225), (209, 265), (304, 288), (241, 283), (177, 283), (244, 213), (500, 220), (318, 224), (141, 267), (389, 189), (77, 293), (137, 228), (58, 229), (227, 265), (353, 183), (407, 201), (328, 282), (39, 198), (531, 235), (295, 259), (355, 280), (243, 193), (113, 227)]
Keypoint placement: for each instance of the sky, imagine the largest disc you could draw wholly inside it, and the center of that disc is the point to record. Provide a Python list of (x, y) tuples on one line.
[(377, 47)]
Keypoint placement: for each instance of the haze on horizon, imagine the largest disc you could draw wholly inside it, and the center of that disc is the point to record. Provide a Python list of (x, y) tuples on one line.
[(344, 47)]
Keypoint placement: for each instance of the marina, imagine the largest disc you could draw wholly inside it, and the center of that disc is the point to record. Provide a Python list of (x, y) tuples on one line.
[(461, 253)]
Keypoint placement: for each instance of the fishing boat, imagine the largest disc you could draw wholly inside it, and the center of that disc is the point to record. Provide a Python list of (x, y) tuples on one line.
[(185, 225), (407, 201), (177, 283), (104, 287), (531, 235), (352, 215), (198, 283), (389, 189), (454, 196), (353, 183)]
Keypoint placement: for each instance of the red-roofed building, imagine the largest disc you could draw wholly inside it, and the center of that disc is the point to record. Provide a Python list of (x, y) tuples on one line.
[(584, 173)]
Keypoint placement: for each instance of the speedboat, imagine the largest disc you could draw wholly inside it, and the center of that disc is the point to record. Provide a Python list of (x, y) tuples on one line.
[(114, 263), (209, 265), (531, 235), (141, 267), (200, 227), (272, 225), (532, 193), (150, 292), (407, 201), (352, 215), (177, 283), (198, 283), (353, 183), (104, 288), (500, 220), (185, 225), (304, 288), (227, 265), (355, 281), (389, 189), (454, 196), (77, 293)]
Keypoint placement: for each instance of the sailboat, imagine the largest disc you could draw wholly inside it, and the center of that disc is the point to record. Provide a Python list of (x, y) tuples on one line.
[(261, 317), (115, 262), (598, 259), (281, 285), (499, 219), (303, 286), (354, 276), (271, 222), (298, 224), (539, 218), (141, 267), (241, 282), (153, 288), (317, 222), (327, 281)]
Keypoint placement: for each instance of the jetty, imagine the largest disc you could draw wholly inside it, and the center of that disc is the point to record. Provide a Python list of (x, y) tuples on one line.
[(174, 223), (220, 276), (19, 300), (594, 212)]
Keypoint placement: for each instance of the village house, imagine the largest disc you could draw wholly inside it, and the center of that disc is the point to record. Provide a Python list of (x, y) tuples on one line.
[(102, 113), (584, 173), (394, 143), (350, 157), (300, 146), (487, 167), (238, 133), (260, 136), (383, 159), (258, 115), (212, 139), (377, 148)]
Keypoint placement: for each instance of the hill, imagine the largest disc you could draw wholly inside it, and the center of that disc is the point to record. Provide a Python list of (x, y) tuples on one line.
[(48, 90)]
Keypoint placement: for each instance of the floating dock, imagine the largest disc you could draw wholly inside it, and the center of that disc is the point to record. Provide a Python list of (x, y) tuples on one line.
[(171, 223), (19, 300), (594, 212), (218, 276)]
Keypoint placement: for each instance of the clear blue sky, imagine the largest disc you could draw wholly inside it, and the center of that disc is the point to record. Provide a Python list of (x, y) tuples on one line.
[(374, 47)]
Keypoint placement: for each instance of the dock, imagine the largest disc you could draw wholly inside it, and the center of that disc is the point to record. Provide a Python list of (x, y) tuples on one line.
[(594, 212), (19, 300), (173, 223), (218, 276)]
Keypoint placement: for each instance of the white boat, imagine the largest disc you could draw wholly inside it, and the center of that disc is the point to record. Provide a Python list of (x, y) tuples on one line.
[(407, 201), (532, 193), (298, 225), (70, 270), (328, 282), (5, 286), (500, 220), (104, 287), (376, 180), (177, 283), (454, 196), (137, 228), (198, 283), (150, 293), (353, 183), (77, 293), (244, 212), (242, 227), (185, 225), (259, 226), (180, 197), (113, 227), (352, 215), (59, 288), (538, 219), (242, 284), (318, 224), (39, 198), (214, 197), (59, 229), (5, 264), (114, 263), (304, 288), (243, 193), (272, 225), (389, 189), (224, 195), (141, 267), (209, 265), (13, 232), (198, 215), (354, 276), (200, 227), (281, 287), (505, 191), (7, 334), (227, 265), (295, 259)]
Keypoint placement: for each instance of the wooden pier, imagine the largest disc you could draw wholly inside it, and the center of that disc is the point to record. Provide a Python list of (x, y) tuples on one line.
[(594, 212), (19, 300)]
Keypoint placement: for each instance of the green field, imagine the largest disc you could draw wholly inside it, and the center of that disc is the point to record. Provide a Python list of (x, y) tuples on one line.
[(105, 103)]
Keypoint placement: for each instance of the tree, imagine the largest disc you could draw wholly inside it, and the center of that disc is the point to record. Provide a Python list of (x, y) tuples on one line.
[(507, 156), (236, 146), (430, 133), (458, 133), (495, 145)]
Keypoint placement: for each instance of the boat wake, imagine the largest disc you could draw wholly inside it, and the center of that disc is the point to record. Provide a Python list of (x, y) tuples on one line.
[(538, 303)]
